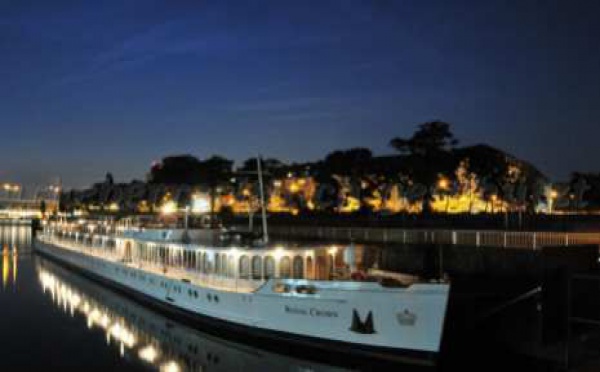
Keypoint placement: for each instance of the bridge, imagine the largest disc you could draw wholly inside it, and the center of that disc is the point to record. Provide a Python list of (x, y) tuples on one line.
[(11, 208), (15, 203)]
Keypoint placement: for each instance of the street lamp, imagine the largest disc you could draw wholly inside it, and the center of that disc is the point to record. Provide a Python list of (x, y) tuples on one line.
[(169, 208), (11, 188), (200, 204), (553, 197), (494, 198), (444, 186)]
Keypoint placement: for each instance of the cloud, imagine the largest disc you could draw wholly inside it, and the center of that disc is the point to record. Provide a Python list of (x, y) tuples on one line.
[(159, 41)]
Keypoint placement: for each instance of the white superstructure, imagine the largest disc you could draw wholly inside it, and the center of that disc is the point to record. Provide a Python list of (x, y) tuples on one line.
[(302, 295)]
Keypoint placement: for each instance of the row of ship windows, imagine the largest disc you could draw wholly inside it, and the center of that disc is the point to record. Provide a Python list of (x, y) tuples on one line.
[(300, 289), (277, 288), (176, 288)]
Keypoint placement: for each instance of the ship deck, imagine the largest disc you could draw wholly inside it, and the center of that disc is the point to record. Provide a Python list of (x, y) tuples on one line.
[(202, 280)]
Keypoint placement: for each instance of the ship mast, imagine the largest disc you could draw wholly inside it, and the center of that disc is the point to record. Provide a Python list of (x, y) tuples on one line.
[(262, 200)]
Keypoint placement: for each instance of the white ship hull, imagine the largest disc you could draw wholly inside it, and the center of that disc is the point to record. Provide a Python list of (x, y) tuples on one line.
[(358, 317)]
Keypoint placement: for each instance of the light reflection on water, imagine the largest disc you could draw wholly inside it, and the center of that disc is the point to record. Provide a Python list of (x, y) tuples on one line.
[(13, 238), (10, 264)]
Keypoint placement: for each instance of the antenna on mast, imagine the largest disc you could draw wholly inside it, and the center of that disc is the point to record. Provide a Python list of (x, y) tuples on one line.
[(262, 200)]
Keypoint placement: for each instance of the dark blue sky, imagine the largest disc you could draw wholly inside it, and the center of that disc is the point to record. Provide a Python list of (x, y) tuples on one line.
[(90, 87)]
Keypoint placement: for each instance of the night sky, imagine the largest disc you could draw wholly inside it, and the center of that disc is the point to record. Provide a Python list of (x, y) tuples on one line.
[(97, 86)]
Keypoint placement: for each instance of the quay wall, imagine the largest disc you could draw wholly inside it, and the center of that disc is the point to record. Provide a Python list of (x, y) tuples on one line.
[(463, 255)]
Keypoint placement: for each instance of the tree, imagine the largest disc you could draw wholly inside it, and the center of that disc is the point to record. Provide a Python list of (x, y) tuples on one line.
[(580, 186), (43, 208), (429, 154), (177, 170), (109, 179), (514, 181), (430, 137), (346, 162), (267, 165), (188, 170), (214, 172), (585, 190)]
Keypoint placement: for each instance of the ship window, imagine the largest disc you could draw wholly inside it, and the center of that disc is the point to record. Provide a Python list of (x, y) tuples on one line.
[(206, 263), (269, 267), (310, 268), (256, 267), (244, 267), (230, 266), (285, 269), (281, 288), (217, 263), (298, 268), (193, 260), (306, 289), (200, 261), (223, 269)]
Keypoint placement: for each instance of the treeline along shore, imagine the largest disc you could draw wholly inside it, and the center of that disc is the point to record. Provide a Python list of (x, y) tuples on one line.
[(429, 175)]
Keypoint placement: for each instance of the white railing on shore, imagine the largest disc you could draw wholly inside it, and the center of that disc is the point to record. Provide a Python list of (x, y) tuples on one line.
[(15, 221), (484, 238), (201, 279)]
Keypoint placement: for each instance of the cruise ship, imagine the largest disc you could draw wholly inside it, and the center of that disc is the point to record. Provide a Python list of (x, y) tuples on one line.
[(313, 297)]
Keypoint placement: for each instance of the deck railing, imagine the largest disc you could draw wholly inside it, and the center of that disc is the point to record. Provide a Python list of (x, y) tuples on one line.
[(174, 272)]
